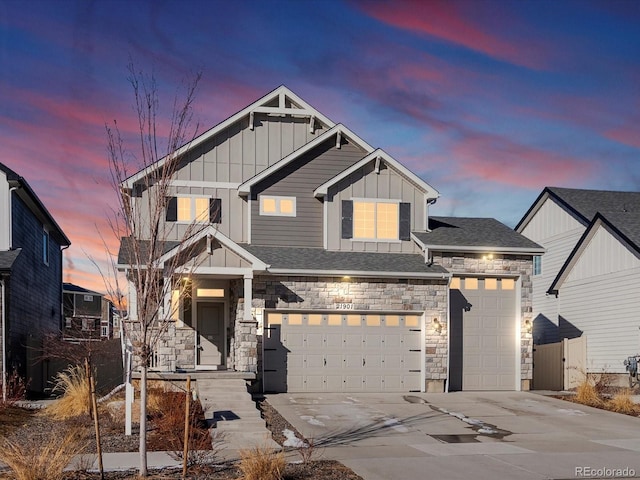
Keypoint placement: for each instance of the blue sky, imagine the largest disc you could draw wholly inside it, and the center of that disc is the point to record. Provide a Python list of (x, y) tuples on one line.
[(488, 101)]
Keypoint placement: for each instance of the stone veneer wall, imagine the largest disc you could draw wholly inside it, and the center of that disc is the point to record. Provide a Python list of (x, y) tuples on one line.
[(411, 295), (516, 265), (244, 342)]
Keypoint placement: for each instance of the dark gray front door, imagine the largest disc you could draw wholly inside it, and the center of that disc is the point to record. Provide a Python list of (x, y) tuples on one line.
[(210, 334)]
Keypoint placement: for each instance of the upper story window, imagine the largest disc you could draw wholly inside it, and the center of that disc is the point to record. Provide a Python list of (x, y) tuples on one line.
[(383, 220), (277, 206), (537, 264), (375, 220), (187, 209), (45, 247)]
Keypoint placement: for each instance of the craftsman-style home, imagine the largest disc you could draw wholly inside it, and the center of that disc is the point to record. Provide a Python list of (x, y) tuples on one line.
[(324, 270)]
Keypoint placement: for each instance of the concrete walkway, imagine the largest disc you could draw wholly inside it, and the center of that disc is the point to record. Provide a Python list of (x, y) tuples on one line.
[(229, 407), (481, 435)]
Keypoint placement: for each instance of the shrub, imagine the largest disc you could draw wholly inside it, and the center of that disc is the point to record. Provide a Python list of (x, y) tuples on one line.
[(45, 459), (16, 389), (261, 463), (168, 421), (76, 398), (622, 403), (587, 394)]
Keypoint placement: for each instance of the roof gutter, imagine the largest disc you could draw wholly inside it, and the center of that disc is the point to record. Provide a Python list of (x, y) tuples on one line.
[(359, 273), (479, 249)]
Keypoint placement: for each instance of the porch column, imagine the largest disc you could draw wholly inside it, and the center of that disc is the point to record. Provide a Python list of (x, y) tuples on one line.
[(246, 332), (248, 296)]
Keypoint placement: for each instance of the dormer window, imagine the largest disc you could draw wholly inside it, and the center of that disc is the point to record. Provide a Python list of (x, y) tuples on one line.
[(376, 220), (277, 206)]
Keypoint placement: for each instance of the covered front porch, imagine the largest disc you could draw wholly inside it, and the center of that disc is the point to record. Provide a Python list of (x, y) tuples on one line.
[(210, 329), (206, 316)]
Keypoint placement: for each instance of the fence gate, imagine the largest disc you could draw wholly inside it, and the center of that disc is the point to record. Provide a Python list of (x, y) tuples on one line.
[(559, 366)]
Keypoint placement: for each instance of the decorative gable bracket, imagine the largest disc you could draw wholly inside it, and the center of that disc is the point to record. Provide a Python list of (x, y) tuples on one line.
[(282, 110)]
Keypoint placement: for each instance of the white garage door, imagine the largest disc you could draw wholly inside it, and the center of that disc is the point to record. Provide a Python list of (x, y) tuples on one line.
[(337, 352), (483, 334)]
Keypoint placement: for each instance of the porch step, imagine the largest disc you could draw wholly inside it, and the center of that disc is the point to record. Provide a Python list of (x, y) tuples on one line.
[(228, 406)]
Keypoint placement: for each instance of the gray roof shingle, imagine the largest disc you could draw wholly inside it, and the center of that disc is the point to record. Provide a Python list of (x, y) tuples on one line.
[(318, 259), (7, 258), (125, 253), (587, 203), (473, 232)]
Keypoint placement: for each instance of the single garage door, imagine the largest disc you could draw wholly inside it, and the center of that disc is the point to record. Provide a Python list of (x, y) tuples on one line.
[(483, 334), (338, 352)]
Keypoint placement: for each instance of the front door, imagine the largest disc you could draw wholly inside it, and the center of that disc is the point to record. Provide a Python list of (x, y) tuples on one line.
[(210, 334)]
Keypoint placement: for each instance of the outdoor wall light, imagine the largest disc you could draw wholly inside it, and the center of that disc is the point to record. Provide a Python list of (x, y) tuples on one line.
[(437, 326), (528, 326)]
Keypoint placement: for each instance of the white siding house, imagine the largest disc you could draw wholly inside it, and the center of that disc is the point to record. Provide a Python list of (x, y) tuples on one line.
[(590, 272)]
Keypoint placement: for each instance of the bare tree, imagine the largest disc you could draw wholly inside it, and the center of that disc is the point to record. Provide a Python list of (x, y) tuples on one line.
[(148, 248)]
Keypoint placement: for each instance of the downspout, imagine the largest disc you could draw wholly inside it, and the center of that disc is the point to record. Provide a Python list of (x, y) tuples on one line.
[(4, 343), (446, 387), (62, 249)]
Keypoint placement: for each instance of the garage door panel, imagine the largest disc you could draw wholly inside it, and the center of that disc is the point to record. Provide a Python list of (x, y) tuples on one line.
[(349, 353), (487, 359)]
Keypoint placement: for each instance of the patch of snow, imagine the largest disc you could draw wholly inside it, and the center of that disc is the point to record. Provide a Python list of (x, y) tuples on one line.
[(487, 431), (395, 424), (312, 420), (572, 411), (354, 400), (292, 440), (471, 421)]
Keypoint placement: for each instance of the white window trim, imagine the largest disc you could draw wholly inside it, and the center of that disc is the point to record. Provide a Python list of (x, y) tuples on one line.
[(45, 253), (376, 201), (193, 209), (278, 212)]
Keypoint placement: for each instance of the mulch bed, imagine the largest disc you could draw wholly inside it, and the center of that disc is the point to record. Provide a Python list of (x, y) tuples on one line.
[(33, 426)]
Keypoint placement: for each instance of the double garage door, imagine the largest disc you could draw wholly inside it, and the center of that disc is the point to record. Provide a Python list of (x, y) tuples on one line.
[(342, 352), (483, 345)]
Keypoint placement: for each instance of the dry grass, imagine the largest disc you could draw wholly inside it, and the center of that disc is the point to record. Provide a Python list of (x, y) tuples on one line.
[(622, 403), (76, 398), (587, 394), (262, 463), (42, 460)]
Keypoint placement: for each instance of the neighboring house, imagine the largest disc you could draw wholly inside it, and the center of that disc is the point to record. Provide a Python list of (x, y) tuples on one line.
[(587, 282), (87, 314), (323, 269), (31, 244)]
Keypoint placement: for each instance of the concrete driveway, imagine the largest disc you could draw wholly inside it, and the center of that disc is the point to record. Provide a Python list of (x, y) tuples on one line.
[(484, 435)]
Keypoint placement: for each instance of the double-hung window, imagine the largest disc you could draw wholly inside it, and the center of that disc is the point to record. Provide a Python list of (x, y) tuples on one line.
[(537, 264)]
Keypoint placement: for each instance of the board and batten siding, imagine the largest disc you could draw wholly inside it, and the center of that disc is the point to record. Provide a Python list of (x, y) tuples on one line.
[(220, 258), (558, 232), (299, 179), (600, 298), (233, 222), (239, 153), (385, 185)]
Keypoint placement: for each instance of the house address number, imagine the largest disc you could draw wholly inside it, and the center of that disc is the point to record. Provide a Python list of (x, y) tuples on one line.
[(344, 306)]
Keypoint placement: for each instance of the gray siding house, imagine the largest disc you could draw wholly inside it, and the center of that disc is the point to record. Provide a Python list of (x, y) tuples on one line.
[(587, 282), (31, 244), (324, 271)]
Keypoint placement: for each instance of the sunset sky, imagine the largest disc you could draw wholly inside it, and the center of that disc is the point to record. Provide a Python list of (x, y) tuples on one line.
[(488, 101)]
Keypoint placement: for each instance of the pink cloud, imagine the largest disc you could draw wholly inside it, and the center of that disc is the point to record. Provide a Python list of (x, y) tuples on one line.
[(446, 21), (493, 158), (627, 135)]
